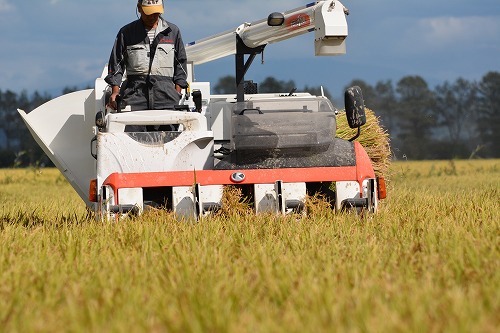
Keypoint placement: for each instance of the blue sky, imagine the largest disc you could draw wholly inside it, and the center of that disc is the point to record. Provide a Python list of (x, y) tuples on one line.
[(50, 44)]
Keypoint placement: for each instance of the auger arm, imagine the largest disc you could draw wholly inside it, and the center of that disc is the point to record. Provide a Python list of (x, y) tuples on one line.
[(326, 18)]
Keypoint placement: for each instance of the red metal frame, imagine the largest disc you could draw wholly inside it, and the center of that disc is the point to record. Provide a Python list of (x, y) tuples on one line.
[(361, 171)]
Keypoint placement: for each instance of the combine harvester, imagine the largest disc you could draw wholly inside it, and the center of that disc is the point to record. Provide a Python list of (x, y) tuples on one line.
[(279, 148)]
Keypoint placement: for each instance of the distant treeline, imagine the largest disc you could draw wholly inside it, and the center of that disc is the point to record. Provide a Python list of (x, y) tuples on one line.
[(17, 146), (458, 119)]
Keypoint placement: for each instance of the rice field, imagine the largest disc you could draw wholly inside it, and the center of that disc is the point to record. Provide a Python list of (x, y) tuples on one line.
[(428, 262)]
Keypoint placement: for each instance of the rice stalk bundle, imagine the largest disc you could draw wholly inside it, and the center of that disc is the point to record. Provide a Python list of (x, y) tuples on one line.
[(374, 138), (234, 202)]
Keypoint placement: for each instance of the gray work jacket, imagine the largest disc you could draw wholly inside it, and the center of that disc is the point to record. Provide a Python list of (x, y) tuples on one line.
[(152, 72)]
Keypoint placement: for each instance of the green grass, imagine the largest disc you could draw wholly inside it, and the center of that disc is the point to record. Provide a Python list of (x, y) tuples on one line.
[(428, 262)]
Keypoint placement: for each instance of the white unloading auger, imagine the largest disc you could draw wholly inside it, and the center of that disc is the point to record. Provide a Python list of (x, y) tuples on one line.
[(325, 18)]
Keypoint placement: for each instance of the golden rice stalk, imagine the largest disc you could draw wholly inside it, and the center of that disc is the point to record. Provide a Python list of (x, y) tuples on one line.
[(374, 138), (234, 202)]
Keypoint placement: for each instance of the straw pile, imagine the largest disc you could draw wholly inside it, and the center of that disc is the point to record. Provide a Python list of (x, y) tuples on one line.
[(373, 138)]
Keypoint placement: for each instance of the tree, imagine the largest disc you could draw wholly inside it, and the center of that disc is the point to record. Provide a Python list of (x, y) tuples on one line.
[(226, 85), (33, 154), (37, 99), (68, 90), (489, 113), (20, 147), (455, 111), (368, 91), (416, 119), (386, 106), (8, 107), (318, 91), (381, 99), (272, 85)]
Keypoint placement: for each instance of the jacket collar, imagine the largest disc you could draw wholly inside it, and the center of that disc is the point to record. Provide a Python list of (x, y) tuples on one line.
[(162, 24)]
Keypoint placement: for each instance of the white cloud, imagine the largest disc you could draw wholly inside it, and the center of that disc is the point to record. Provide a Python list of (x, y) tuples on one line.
[(5, 6), (443, 32), (458, 28)]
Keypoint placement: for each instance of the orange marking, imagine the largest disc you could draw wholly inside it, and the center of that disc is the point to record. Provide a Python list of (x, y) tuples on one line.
[(298, 21)]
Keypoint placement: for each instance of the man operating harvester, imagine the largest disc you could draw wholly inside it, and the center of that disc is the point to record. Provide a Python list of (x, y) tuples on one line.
[(151, 53)]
